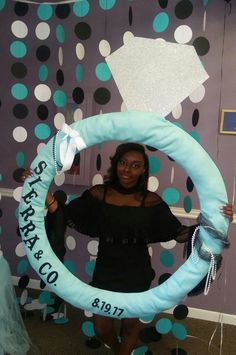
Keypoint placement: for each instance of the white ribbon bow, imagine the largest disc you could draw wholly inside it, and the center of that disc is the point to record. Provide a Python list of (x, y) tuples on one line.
[(69, 144)]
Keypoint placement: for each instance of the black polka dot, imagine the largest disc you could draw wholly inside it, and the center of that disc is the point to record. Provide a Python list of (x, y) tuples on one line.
[(93, 343), (178, 351), (18, 231), (195, 117), (0, 213), (78, 95), (183, 9), (99, 162), (152, 149), (202, 45), (42, 112), (171, 159), (17, 174), (181, 311), (61, 196), (189, 184), (43, 53), (20, 111), (83, 30), (0, 103), (130, 16), (62, 11), (163, 3), (163, 278), (23, 281), (19, 70), (102, 96), (21, 8), (60, 77)]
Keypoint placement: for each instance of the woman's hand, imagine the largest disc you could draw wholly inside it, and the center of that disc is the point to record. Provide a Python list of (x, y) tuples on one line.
[(227, 211), (25, 174)]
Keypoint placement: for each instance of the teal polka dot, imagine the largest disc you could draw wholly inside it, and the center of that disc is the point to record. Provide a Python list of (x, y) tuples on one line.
[(42, 131), (81, 8), (161, 22), (163, 326), (2, 4), (72, 197), (20, 159), (187, 204), (103, 72), (17, 213), (43, 72), (0, 229), (147, 319), (107, 4), (89, 267), (154, 164), (205, 2), (60, 34), (70, 265), (178, 124), (45, 298), (22, 266), (18, 49), (179, 331), (44, 12), (59, 98), (61, 320), (88, 328), (167, 258), (19, 91), (140, 350), (79, 73), (50, 310), (195, 135), (1, 178), (171, 195)]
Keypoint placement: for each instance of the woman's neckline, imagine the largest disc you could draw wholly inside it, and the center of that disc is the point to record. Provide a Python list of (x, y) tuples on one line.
[(125, 191)]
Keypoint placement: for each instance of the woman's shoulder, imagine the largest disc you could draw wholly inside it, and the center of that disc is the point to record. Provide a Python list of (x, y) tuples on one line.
[(97, 191), (152, 199)]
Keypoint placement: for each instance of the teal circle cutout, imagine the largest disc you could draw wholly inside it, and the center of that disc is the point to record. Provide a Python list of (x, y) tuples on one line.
[(89, 267), (154, 164), (43, 72), (19, 91), (179, 331), (70, 265), (44, 12), (88, 328), (187, 204), (167, 258), (18, 49), (103, 72), (163, 325), (59, 98), (20, 159), (171, 195), (22, 266), (107, 4), (161, 22), (79, 72), (81, 8), (60, 34), (42, 131)]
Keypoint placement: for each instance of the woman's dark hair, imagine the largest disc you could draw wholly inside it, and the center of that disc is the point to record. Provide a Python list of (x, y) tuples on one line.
[(111, 177)]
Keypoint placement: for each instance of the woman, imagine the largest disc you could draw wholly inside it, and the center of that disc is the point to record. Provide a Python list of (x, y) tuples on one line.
[(126, 217)]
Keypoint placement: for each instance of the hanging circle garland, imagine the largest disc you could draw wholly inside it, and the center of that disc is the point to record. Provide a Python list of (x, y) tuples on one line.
[(149, 129)]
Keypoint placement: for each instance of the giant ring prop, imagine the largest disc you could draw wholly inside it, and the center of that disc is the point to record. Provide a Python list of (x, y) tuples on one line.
[(149, 129)]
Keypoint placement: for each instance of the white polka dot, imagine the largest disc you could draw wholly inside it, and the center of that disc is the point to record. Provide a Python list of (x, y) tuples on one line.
[(198, 94), (40, 147), (59, 179), (150, 251), (42, 92), (23, 297), (80, 51), (19, 134), (104, 48), (59, 119), (153, 183), (97, 179), (19, 29), (42, 30), (78, 115), (169, 245), (20, 250), (183, 34), (177, 112), (172, 176), (17, 193), (70, 242), (93, 247), (123, 107), (127, 37), (60, 56), (88, 314)]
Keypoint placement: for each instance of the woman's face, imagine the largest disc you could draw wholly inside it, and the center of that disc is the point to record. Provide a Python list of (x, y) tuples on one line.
[(129, 168)]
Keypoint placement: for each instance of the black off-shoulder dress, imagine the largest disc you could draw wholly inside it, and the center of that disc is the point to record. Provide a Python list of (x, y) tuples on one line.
[(123, 263)]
